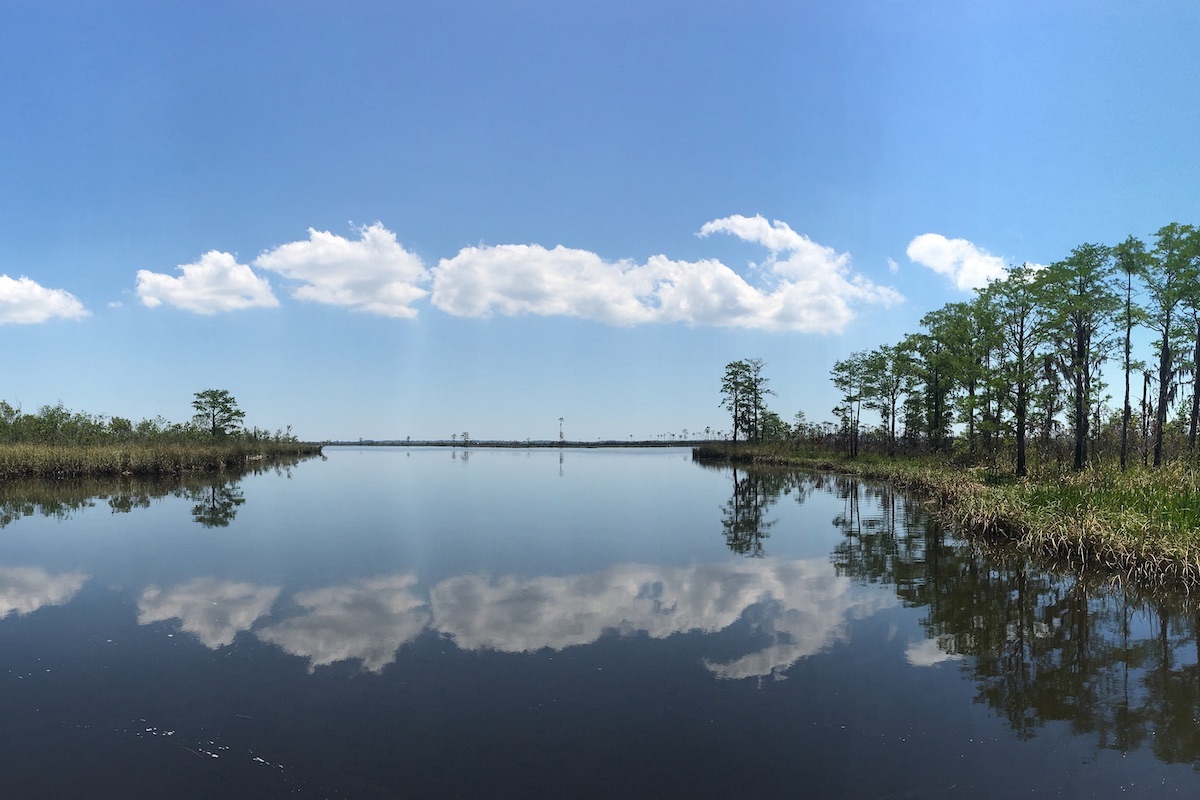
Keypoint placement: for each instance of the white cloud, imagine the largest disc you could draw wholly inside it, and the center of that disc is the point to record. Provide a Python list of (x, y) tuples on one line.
[(970, 267), (809, 289), (893, 267), (367, 619), (25, 301), (214, 283), (927, 653), (24, 590), (374, 273), (215, 611)]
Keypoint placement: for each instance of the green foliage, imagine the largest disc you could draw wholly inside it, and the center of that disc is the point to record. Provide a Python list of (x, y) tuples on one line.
[(1079, 308), (1015, 375), (744, 390), (218, 412), (850, 377), (58, 442)]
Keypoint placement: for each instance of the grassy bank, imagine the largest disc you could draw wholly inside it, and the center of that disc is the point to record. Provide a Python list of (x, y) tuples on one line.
[(74, 461), (1142, 524)]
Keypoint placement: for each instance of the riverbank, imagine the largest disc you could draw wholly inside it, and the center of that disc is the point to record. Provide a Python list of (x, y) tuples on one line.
[(75, 461), (1142, 524)]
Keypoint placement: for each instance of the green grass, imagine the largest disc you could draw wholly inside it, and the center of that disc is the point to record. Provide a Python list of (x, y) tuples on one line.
[(72, 461)]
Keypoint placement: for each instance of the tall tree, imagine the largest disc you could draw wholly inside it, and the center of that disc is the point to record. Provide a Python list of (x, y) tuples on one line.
[(887, 370), (1132, 260), (1078, 301), (849, 376), (1191, 304), (1017, 313), (970, 329), (934, 363), (758, 391), (217, 410), (1166, 284), (735, 394)]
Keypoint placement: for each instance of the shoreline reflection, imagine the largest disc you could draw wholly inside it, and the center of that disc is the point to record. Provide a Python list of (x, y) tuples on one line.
[(216, 497)]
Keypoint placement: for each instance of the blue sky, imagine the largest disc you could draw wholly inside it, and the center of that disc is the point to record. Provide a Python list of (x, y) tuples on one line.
[(413, 219)]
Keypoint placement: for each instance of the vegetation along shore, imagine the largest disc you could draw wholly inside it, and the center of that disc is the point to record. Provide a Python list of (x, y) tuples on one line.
[(55, 442), (1058, 407), (1138, 524)]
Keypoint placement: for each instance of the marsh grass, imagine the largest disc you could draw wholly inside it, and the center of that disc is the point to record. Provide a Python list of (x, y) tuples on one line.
[(73, 461), (1142, 525)]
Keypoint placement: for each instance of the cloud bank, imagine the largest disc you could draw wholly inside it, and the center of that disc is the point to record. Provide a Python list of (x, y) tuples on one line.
[(806, 287), (211, 285), (24, 301), (967, 266), (801, 286)]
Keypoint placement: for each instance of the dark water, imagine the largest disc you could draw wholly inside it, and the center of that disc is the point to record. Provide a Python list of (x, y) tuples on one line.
[(428, 623)]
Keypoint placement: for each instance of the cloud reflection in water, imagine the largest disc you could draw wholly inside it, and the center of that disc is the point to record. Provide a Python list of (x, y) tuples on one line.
[(24, 590), (801, 605), (928, 653), (804, 606), (367, 619), (215, 611)]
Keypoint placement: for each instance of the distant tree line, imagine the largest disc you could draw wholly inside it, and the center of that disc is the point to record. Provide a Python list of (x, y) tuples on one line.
[(217, 418), (1015, 373)]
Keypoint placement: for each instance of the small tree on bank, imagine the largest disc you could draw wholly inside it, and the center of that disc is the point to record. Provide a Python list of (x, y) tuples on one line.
[(217, 412)]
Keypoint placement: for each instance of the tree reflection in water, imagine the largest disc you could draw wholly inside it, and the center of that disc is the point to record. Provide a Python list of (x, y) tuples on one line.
[(744, 516), (1114, 662), (216, 505)]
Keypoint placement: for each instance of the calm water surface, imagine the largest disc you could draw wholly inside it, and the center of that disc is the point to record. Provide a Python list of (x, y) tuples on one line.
[(584, 623)]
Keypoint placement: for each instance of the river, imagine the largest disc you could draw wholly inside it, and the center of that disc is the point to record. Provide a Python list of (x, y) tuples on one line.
[(438, 622)]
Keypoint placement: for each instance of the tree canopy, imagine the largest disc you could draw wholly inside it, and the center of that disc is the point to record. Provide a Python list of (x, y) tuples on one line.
[(217, 411), (1017, 373)]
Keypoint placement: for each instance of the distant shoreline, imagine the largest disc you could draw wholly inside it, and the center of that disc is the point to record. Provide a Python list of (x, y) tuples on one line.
[(512, 445)]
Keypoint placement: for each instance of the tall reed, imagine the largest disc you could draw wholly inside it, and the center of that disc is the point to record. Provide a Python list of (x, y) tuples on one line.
[(68, 461)]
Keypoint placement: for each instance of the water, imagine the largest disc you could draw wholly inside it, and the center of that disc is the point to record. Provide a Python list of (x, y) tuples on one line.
[(584, 623)]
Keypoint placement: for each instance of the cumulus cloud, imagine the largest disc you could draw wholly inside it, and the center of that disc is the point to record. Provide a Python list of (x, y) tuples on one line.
[(24, 590), (25, 301), (968, 266), (214, 283), (806, 287), (214, 610), (374, 273), (367, 620)]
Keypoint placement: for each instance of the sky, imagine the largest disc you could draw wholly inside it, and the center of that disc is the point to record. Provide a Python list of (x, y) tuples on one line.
[(388, 219)]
